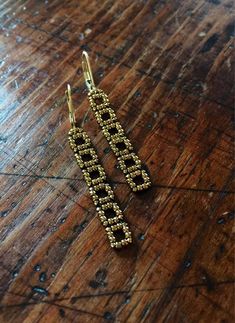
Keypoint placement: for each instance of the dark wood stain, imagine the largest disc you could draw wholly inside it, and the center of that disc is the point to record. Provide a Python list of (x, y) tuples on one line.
[(210, 43)]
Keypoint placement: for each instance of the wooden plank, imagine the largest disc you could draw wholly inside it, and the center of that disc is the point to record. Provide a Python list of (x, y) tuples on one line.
[(168, 70)]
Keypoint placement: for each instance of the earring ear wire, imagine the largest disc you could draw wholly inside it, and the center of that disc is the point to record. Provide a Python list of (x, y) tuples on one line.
[(68, 94), (86, 66)]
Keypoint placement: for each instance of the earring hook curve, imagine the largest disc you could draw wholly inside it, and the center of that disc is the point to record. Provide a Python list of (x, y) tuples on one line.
[(87, 71), (72, 119)]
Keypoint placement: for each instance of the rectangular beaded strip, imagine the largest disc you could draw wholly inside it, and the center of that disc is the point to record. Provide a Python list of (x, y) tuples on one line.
[(128, 161), (103, 197)]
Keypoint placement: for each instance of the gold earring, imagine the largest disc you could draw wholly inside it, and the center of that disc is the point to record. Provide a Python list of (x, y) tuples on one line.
[(103, 197), (128, 161)]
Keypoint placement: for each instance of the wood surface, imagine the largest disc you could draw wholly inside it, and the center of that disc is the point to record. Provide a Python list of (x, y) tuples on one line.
[(168, 68)]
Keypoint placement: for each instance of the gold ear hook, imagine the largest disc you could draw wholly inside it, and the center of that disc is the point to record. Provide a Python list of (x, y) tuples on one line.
[(70, 105), (87, 71)]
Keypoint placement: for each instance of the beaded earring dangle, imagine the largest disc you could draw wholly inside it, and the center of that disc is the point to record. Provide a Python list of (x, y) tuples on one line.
[(110, 214), (128, 161)]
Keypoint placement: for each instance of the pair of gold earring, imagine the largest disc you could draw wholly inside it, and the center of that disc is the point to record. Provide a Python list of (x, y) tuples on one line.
[(101, 192)]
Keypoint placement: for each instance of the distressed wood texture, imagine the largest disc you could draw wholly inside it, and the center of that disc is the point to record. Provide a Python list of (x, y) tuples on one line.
[(167, 67)]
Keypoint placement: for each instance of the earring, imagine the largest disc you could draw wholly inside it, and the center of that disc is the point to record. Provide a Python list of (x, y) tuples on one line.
[(128, 161), (103, 197)]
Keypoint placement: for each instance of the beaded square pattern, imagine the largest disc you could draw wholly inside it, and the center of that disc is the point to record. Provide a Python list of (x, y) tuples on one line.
[(110, 214), (128, 161)]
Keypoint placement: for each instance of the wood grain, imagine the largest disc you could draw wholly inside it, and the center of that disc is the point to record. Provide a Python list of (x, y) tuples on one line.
[(168, 68)]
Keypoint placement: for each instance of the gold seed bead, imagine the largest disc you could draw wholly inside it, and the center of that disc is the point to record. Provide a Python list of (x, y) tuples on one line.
[(111, 230), (114, 207), (89, 151), (100, 200), (123, 141), (138, 187), (100, 113), (113, 125), (100, 95), (100, 179), (124, 167)]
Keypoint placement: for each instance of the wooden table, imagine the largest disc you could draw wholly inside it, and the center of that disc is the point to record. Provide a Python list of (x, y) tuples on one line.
[(167, 67)]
